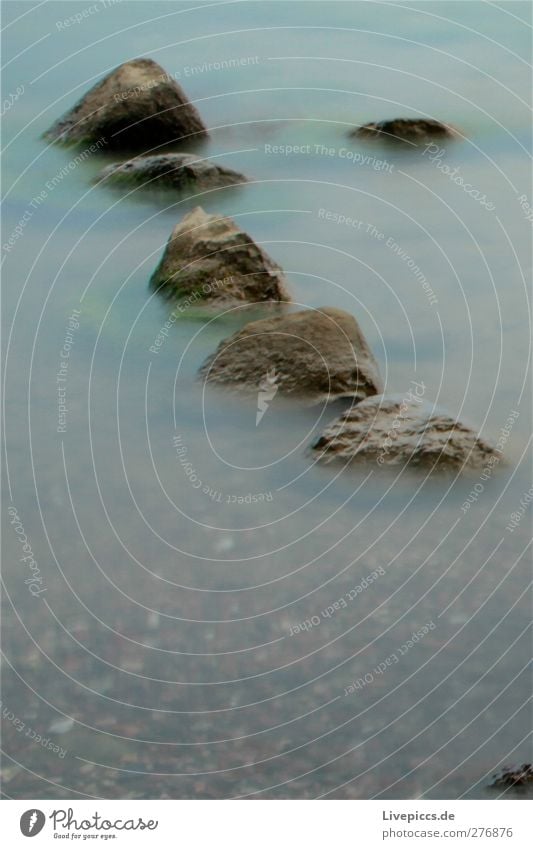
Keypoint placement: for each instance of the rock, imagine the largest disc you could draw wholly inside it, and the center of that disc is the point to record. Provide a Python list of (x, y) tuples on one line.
[(136, 107), (316, 355), (392, 431), (515, 777), (405, 129), (180, 171), (210, 257)]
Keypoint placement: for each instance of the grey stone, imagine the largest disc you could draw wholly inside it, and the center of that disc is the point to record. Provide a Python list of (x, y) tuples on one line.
[(180, 171), (413, 130)]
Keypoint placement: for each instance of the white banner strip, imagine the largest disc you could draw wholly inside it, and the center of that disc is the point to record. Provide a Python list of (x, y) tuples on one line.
[(269, 824)]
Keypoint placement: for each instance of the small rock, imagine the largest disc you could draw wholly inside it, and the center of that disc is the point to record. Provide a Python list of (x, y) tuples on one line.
[(316, 355), (520, 776), (391, 431), (136, 107), (179, 171), (405, 129), (209, 258)]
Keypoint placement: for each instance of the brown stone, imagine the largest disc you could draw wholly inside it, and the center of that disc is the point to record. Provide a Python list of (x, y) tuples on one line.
[(138, 106), (210, 257), (394, 431), (314, 355)]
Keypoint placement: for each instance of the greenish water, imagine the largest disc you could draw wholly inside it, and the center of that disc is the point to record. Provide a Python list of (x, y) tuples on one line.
[(170, 628)]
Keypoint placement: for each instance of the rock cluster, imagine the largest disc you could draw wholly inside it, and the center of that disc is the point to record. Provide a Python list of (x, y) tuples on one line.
[(313, 355)]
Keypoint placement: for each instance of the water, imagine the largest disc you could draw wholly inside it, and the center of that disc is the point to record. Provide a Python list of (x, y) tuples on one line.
[(248, 637)]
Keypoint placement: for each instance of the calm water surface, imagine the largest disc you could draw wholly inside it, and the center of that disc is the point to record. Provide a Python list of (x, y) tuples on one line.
[(170, 629)]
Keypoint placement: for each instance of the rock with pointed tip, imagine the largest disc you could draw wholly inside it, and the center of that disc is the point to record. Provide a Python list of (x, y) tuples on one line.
[(414, 130), (209, 258), (138, 106), (182, 172), (394, 431), (316, 356)]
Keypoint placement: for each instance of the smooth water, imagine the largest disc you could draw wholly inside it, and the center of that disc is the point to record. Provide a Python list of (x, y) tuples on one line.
[(247, 636)]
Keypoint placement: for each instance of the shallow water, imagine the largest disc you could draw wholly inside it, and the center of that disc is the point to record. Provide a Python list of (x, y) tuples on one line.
[(170, 628)]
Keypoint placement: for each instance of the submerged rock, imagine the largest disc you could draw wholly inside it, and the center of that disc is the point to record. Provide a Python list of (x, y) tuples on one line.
[(405, 129), (316, 355), (392, 431), (136, 106), (210, 257), (513, 777), (180, 171)]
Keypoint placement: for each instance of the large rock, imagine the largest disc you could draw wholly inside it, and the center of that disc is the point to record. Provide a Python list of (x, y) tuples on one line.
[(136, 107), (316, 355), (405, 129), (180, 171), (393, 431), (210, 257)]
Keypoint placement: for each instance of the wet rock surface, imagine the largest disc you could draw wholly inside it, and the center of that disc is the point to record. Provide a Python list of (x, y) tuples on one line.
[(517, 778), (178, 171), (210, 258), (317, 355), (405, 129), (136, 107), (393, 431)]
